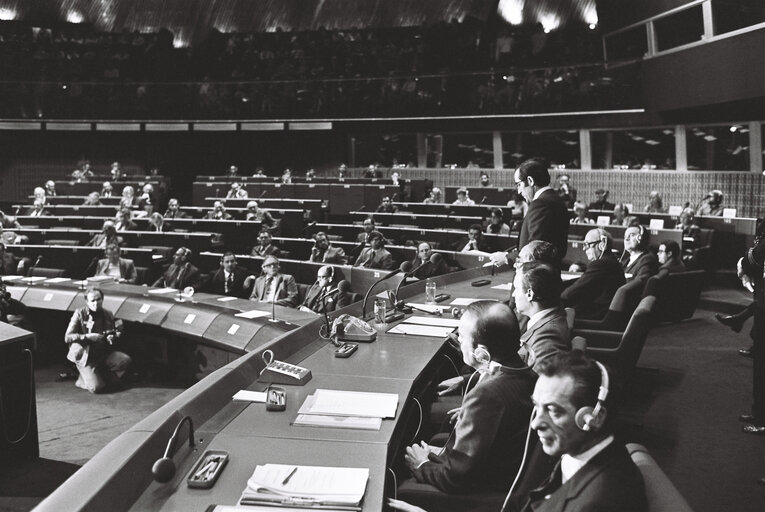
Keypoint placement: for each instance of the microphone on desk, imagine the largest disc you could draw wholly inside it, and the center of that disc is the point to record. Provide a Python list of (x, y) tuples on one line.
[(361, 208), (163, 469), (309, 226), (217, 192), (405, 267), (397, 304), (262, 194), (37, 261), (483, 200), (394, 197)]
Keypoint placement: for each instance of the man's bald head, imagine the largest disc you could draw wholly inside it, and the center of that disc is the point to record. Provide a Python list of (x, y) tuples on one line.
[(493, 325)]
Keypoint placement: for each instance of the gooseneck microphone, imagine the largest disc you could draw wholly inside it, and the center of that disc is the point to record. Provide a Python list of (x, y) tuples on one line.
[(405, 267), (164, 468), (262, 194)]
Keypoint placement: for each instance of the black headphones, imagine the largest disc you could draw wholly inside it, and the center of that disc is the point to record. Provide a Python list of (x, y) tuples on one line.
[(585, 416)]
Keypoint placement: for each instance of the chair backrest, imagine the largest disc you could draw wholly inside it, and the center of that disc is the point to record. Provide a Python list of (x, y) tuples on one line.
[(679, 296), (635, 335), (661, 494), (46, 272), (302, 291), (142, 275)]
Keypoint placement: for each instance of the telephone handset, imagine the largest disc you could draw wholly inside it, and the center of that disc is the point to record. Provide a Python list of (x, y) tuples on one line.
[(350, 328), (279, 372)]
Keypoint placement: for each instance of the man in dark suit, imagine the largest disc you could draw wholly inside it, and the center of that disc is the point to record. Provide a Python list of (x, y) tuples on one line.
[(422, 269), (108, 235), (376, 255), (9, 263), (670, 257), (591, 294), (121, 269), (323, 252), (38, 209), (566, 192), (228, 279), (595, 472), (487, 445), (181, 273), (273, 286), (536, 290), (547, 218), (174, 210), (473, 241), (324, 283), (641, 262), (369, 226), (124, 220), (266, 245)]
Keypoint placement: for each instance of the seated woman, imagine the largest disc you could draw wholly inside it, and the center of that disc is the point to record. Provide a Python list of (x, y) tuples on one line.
[(655, 203), (580, 210), (497, 224)]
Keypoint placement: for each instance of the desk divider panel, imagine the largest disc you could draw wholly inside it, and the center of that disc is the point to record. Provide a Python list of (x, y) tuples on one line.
[(145, 310), (311, 191), (344, 198), (189, 318), (48, 298), (373, 194), (111, 302)]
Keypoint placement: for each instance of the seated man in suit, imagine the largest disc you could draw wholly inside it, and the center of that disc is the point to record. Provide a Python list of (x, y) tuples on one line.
[(641, 262), (38, 209), (536, 290), (107, 190), (462, 198), (108, 235), (228, 279), (174, 210), (473, 241), (670, 257), (181, 273), (487, 445), (711, 205), (593, 470), (422, 269), (376, 255), (265, 246), (124, 220), (121, 269), (386, 206), (218, 212), (323, 252), (254, 212), (236, 192), (324, 283), (90, 336), (273, 286), (497, 224), (591, 294), (50, 188), (157, 224), (369, 226), (10, 265)]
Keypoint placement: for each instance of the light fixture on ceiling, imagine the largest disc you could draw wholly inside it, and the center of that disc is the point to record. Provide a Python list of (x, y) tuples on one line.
[(74, 17)]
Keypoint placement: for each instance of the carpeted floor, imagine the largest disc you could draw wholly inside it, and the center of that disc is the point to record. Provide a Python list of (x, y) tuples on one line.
[(688, 408)]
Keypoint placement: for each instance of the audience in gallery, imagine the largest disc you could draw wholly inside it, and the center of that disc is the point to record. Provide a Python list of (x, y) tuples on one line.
[(670, 257), (655, 203), (376, 255), (319, 299), (622, 216), (259, 173), (265, 245), (232, 171), (580, 212), (115, 266), (488, 441), (323, 251), (601, 201), (228, 279), (591, 294), (181, 273), (273, 286)]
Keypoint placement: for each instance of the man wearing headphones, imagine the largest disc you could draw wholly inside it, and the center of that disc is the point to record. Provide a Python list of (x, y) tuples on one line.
[(181, 273), (591, 294), (486, 447), (323, 252), (228, 279), (536, 290), (593, 470), (324, 281), (641, 263), (273, 286)]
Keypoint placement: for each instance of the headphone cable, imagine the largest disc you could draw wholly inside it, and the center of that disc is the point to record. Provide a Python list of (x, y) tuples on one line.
[(523, 463)]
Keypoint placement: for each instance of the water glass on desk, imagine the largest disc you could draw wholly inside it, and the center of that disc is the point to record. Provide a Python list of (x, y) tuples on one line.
[(381, 310), (430, 291)]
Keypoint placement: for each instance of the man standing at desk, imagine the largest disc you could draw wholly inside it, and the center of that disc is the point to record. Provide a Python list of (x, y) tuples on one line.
[(273, 286), (121, 269), (376, 255), (90, 335), (181, 273)]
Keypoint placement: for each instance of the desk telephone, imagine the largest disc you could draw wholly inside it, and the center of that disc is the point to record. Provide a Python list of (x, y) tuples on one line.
[(279, 372)]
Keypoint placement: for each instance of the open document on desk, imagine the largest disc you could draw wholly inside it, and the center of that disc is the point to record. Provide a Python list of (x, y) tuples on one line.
[(317, 487)]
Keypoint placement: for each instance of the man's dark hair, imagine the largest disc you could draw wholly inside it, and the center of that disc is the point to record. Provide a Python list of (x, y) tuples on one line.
[(227, 253), (497, 212), (543, 251), (320, 233), (95, 289), (536, 168), (582, 369), (496, 328), (673, 247), (477, 227), (544, 280)]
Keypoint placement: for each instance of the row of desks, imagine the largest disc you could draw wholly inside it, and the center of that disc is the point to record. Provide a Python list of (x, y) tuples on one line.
[(67, 188), (119, 477)]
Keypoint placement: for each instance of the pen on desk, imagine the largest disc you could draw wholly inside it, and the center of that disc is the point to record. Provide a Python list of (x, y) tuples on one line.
[(286, 480)]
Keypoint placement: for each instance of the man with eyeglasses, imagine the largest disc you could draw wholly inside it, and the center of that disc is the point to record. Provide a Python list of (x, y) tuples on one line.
[(265, 246), (591, 294), (273, 286)]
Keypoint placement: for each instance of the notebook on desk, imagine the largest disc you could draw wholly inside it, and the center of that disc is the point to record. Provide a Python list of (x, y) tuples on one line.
[(317, 487)]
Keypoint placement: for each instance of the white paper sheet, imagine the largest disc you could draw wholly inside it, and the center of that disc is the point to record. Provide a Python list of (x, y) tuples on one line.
[(354, 403), (54, 280), (507, 287), (421, 330), (464, 301), (430, 320), (162, 291), (250, 396), (255, 313)]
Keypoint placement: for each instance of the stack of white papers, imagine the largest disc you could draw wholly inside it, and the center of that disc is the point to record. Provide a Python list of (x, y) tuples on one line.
[(429, 320), (353, 403), (306, 486)]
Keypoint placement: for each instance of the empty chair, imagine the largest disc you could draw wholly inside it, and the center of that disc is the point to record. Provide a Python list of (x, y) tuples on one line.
[(661, 494), (46, 272), (622, 305), (677, 295)]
